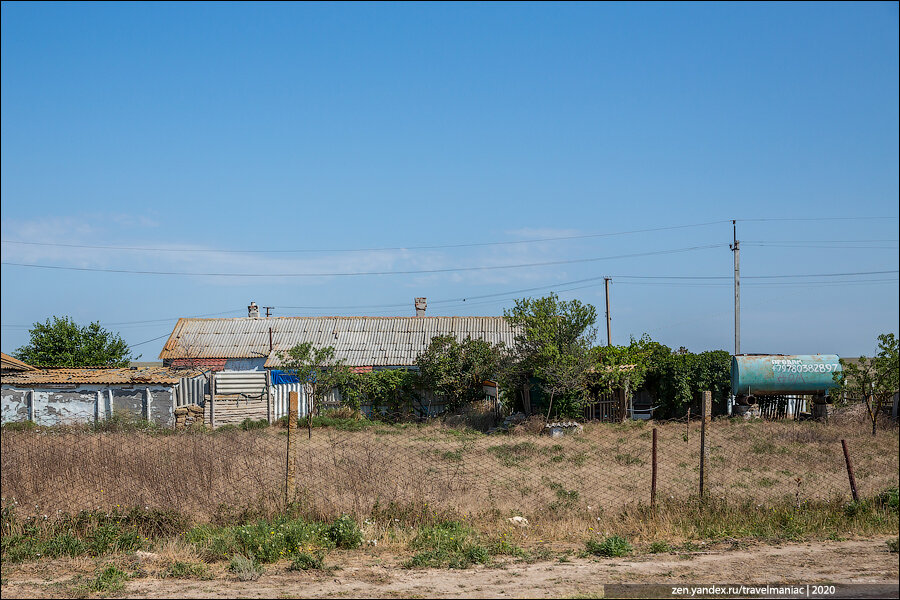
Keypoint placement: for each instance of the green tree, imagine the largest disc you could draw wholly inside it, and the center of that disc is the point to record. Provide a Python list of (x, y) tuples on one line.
[(677, 378), (456, 370), (320, 372), (553, 344), (627, 367), (391, 393), (872, 380), (61, 342)]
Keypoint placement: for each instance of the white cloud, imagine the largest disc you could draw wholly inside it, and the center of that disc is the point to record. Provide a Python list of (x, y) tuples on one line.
[(181, 257)]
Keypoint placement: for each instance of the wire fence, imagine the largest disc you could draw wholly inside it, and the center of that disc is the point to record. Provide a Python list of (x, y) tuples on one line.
[(358, 466)]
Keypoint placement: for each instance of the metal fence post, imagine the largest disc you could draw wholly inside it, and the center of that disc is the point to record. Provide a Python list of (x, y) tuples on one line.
[(850, 471), (289, 483), (653, 475), (705, 409)]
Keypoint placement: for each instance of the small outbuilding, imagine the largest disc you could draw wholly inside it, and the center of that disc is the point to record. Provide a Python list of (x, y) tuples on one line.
[(68, 396)]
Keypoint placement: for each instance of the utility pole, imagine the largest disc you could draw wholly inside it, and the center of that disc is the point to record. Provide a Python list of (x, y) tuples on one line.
[(736, 248), (269, 310), (608, 335)]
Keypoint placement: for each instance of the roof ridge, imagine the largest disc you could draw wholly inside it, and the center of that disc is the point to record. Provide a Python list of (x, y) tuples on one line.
[(342, 317)]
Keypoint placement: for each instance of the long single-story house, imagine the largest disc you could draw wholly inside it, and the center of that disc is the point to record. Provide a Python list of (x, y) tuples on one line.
[(232, 348), (366, 343)]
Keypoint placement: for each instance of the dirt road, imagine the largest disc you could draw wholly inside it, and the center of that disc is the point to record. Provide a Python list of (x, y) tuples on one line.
[(857, 561)]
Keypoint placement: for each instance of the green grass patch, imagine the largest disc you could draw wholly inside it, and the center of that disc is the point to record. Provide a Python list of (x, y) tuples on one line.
[(628, 459), (84, 533), (268, 541), (780, 520), (308, 561), (614, 545), (659, 547), (107, 581), (187, 570), (513, 455), (450, 544), (767, 447)]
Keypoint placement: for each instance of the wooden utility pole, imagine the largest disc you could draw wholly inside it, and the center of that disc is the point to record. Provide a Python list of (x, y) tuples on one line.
[(608, 334), (736, 248)]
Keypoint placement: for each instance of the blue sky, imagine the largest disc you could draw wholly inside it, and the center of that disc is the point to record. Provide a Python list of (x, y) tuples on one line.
[(296, 132)]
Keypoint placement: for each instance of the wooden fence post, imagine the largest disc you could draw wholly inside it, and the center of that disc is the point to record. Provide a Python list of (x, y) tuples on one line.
[(289, 484), (850, 471), (212, 399), (653, 475), (705, 409)]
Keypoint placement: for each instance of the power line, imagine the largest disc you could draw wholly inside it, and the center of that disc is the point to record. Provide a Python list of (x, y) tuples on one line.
[(428, 247), (377, 249), (817, 219), (148, 341), (819, 241), (221, 312), (678, 277), (354, 274)]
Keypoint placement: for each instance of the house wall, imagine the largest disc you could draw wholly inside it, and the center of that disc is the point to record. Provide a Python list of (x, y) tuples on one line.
[(70, 405), (245, 364)]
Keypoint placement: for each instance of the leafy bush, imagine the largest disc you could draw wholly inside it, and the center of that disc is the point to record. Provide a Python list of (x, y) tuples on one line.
[(344, 532), (659, 547), (306, 561), (267, 541), (613, 545), (893, 545), (889, 499)]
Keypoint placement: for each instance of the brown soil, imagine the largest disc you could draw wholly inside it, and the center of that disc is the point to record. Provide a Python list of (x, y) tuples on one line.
[(367, 575)]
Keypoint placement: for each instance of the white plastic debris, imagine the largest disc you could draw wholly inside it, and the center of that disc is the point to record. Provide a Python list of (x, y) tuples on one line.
[(519, 521)]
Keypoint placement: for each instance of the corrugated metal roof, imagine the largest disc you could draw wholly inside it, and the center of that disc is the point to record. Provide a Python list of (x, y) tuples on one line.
[(359, 341), (8, 363), (116, 375)]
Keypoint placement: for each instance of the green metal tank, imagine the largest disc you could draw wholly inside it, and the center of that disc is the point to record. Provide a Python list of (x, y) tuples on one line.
[(763, 374)]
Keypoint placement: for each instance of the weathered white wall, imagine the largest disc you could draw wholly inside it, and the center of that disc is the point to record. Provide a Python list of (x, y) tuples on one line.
[(69, 405)]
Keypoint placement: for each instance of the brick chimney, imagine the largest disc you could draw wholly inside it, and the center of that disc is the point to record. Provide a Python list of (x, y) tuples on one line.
[(420, 307), (253, 311)]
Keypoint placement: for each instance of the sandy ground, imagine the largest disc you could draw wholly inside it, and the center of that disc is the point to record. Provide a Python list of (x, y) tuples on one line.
[(361, 576)]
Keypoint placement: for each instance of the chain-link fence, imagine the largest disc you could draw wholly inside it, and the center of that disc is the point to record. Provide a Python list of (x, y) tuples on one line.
[(358, 466)]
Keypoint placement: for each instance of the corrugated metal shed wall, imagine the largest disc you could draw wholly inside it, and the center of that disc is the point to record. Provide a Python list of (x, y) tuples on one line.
[(359, 341), (248, 383)]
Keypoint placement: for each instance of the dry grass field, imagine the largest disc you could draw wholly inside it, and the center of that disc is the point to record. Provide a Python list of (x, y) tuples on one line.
[(366, 469)]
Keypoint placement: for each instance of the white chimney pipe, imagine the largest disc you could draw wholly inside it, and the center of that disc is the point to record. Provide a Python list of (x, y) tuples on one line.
[(420, 307)]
